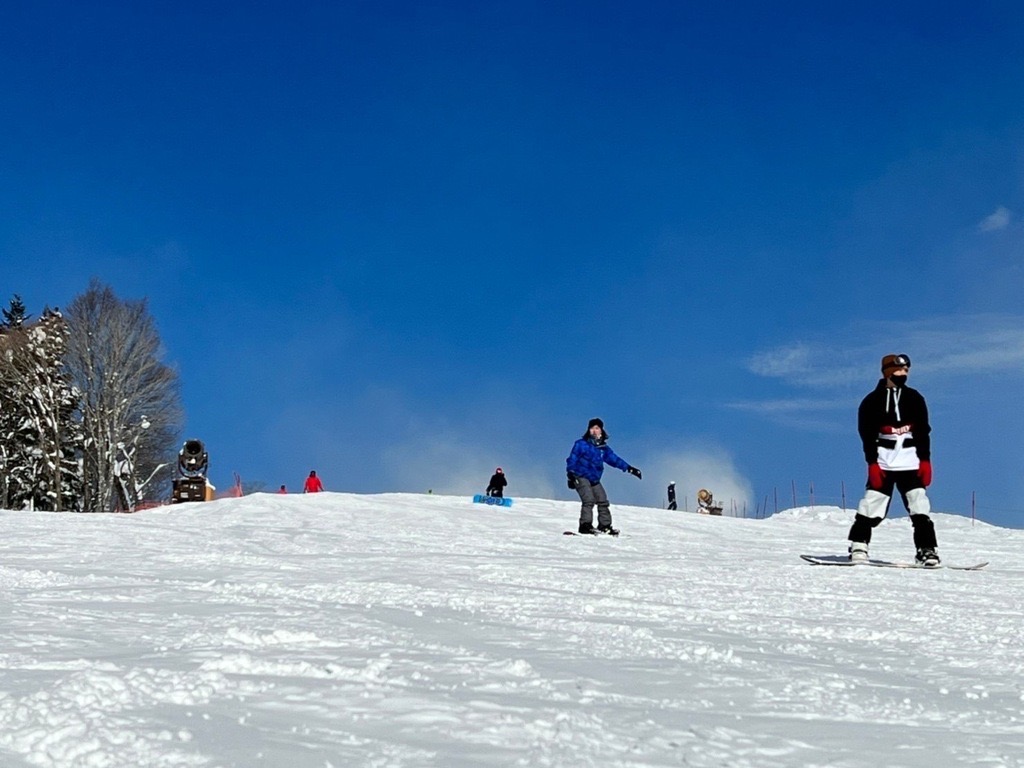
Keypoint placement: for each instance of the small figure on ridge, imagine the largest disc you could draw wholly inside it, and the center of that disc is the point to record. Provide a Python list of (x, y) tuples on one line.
[(497, 485), (313, 484)]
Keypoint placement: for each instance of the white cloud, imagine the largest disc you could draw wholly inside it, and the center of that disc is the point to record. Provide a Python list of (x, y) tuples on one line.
[(783, 361), (978, 343), (705, 467), (816, 365), (790, 405), (938, 345), (809, 414), (999, 219), (945, 349)]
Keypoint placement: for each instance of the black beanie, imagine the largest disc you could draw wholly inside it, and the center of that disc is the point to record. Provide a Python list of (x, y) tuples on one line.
[(595, 423)]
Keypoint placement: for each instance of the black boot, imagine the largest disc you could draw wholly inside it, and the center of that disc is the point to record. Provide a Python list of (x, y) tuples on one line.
[(608, 529), (588, 528), (928, 557)]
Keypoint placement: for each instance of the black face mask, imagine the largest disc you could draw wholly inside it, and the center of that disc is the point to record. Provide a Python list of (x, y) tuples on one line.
[(898, 379)]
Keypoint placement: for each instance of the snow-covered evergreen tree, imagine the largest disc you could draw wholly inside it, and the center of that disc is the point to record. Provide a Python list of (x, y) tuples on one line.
[(39, 435), (14, 315)]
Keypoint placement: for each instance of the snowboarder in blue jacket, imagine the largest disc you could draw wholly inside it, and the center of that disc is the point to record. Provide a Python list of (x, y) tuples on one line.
[(584, 468)]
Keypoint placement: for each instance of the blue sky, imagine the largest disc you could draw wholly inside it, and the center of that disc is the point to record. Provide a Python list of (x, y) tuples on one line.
[(403, 244)]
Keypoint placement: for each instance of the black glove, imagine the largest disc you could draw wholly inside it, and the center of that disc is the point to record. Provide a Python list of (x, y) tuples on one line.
[(571, 478), (635, 472)]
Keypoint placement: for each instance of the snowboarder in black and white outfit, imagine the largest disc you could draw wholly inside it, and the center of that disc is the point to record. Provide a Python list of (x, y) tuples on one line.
[(584, 468), (497, 485), (894, 429)]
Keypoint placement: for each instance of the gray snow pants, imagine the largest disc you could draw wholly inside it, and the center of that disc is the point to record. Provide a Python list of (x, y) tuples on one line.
[(591, 494)]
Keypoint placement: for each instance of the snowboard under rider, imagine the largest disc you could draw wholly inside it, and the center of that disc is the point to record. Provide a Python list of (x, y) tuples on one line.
[(497, 485), (893, 425), (313, 484), (584, 468)]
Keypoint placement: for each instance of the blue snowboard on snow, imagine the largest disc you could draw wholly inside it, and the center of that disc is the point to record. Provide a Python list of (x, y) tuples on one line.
[(494, 501)]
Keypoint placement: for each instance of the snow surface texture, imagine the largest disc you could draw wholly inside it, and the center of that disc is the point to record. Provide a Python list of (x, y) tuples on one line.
[(402, 630)]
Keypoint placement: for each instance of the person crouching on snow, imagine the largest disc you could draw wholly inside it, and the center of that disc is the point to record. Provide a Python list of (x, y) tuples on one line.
[(496, 487), (584, 468), (894, 429)]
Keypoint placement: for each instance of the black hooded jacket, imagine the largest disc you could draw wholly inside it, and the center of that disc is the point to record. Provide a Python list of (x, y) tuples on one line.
[(880, 409)]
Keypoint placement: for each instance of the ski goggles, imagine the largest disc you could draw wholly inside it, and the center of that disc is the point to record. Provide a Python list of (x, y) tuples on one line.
[(901, 361), (894, 363)]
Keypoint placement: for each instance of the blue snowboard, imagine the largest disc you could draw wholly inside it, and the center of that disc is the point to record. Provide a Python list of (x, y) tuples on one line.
[(494, 501)]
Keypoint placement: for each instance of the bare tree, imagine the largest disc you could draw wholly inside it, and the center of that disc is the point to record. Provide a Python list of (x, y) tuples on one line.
[(130, 401)]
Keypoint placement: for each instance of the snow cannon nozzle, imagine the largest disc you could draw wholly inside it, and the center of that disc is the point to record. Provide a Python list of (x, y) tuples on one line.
[(193, 460)]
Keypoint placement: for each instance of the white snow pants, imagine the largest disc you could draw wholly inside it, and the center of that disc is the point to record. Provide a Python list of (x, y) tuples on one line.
[(875, 504)]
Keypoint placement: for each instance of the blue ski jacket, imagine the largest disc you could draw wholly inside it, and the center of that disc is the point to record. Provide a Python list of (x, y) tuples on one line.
[(588, 457)]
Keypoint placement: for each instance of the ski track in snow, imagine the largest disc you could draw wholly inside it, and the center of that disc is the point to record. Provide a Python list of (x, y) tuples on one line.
[(405, 630)]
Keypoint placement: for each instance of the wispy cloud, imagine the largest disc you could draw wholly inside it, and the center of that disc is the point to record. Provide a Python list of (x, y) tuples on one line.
[(782, 361), (939, 345), (817, 365), (998, 219), (979, 343), (791, 405), (808, 414), (944, 348)]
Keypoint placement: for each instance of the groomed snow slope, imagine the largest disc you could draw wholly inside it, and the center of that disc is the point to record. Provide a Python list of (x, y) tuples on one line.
[(403, 630)]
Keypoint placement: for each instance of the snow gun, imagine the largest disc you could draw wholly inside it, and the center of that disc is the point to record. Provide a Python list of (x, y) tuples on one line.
[(193, 464)]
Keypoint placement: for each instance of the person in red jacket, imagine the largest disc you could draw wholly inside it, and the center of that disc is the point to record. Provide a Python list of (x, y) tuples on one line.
[(313, 484), (896, 434)]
